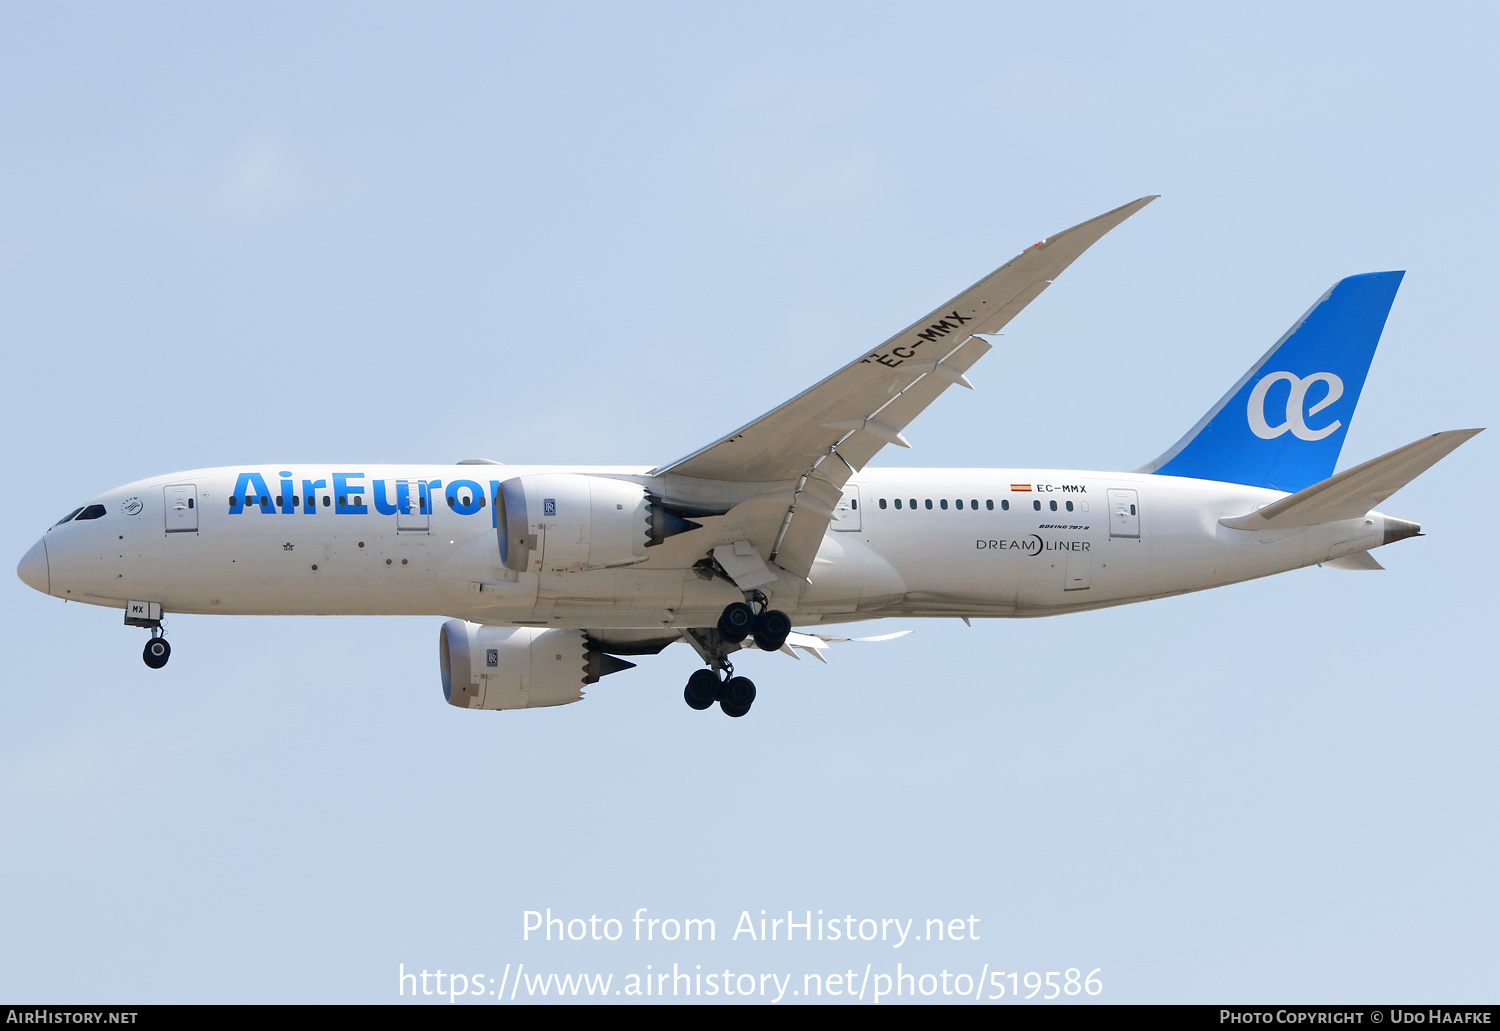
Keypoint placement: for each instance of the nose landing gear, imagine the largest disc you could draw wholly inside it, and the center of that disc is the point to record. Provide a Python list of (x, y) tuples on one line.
[(147, 614), (157, 652)]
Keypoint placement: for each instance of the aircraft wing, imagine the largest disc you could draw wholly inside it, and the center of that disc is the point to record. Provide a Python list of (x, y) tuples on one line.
[(825, 434)]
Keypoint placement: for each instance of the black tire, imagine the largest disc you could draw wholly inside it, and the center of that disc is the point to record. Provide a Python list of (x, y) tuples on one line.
[(730, 709), (702, 687), (772, 628), (157, 652), (736, 622), (739, 691)]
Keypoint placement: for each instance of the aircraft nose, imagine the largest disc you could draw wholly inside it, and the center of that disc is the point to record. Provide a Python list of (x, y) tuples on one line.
[(33, 569)]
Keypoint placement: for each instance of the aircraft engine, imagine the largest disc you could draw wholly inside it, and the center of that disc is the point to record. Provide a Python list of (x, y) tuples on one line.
[(562, 522), (501, 667)]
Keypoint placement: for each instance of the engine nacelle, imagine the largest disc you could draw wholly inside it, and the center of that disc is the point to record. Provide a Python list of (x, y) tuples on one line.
[(565, 522), (500, 667)]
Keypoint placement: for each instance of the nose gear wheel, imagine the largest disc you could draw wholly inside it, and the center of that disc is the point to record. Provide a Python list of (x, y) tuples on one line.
[(157, 652)]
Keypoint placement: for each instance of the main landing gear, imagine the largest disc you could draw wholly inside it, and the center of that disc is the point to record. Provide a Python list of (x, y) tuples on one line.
[(770, 628), (734, 695)]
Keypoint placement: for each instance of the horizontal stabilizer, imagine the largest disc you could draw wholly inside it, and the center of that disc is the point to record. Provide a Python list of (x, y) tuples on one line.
[(1358, 560), (1354, 492)]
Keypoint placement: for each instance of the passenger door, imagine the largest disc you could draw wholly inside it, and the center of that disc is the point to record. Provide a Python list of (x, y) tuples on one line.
[(1124, 515), (181, 503), (413, 506), (846, 514)]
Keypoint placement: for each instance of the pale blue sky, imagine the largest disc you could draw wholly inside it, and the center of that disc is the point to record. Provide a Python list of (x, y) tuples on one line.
[(611, 233)]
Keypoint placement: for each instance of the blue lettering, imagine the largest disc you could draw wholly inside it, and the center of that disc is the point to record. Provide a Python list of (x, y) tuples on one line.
[(494, 508), (288, 499), (242, 493), (384, 507), (310, 502), (466, 495), (342, 490)]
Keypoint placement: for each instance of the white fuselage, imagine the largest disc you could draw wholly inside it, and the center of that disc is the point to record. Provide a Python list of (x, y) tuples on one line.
[(334, 540)]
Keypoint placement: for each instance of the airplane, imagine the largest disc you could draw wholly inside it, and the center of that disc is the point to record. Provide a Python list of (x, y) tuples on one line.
[(552, 576)]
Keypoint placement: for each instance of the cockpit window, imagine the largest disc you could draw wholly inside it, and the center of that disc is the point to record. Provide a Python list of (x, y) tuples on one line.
[(92, 512), (65, 518)]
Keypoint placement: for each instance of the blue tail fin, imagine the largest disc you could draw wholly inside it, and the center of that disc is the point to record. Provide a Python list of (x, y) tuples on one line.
[(1283, 424)]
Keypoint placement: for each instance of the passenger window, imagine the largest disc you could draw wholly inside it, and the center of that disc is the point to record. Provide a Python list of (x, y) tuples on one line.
[(913, 503), (92, 512), (1070, 505), (311, 501), (943, 504), (70, 515), (989, 504), (929, 504), (327, 501), (882, 502), (898, 502), (1052, 505), (1037, 505), (1005, 504), (974, 504)]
